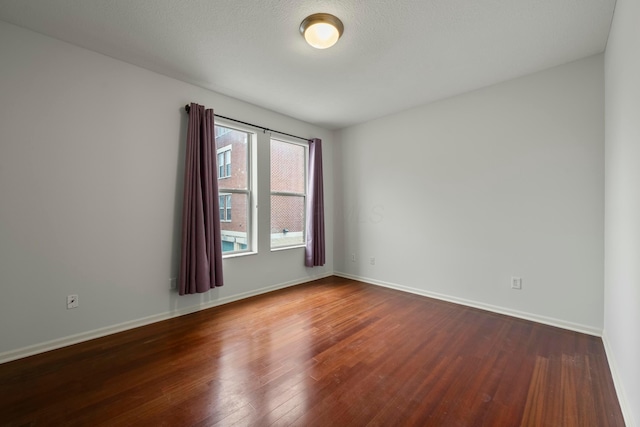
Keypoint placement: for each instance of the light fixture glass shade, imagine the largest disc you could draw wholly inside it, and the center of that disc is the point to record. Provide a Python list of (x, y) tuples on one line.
[(321, 30)]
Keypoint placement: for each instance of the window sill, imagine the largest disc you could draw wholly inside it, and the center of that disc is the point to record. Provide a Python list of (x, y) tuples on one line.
[(238, 255), (284, 248)]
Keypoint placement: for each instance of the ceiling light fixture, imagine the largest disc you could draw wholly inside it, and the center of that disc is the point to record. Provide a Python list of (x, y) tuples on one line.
[(321, 30)]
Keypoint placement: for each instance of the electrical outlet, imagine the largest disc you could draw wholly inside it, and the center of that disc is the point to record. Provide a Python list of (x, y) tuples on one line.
[(172, 283), (516, 282), (372, 260), (353, 257), (72, 301)]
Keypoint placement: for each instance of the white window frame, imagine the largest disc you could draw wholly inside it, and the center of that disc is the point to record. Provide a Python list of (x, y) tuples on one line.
[(250, 192), (285, 193)]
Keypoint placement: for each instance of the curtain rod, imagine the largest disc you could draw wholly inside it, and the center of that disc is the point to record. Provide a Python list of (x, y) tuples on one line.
[(188, 107)]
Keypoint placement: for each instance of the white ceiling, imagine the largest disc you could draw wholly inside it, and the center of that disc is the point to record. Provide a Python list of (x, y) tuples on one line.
[(393, 55)]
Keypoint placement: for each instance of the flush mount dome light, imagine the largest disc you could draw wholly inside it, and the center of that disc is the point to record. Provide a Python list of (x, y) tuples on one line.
[(321, 30)]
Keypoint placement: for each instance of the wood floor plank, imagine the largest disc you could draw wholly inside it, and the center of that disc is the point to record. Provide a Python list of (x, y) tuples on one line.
[(331, 352)]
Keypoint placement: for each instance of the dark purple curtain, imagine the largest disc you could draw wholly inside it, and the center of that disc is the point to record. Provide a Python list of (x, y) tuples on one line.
[(201, 263), (314, 254)]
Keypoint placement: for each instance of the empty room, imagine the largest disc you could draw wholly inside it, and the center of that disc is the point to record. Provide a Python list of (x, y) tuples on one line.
[(335, 213)]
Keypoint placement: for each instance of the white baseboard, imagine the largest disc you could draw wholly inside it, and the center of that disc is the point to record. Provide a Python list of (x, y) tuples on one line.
[(585, 329), (617, 382), (120, 327), (101, 332)]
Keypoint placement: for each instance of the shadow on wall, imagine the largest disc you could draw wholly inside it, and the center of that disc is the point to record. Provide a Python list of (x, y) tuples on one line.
[(181, 146), (358, 214)]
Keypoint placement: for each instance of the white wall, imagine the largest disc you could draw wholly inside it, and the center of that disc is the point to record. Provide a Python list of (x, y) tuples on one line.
[(455, 197), (91, 166), (622, 206)]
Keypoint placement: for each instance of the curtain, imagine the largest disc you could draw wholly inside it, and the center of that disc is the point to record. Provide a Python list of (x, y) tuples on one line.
[(201, 260), (314, 254)]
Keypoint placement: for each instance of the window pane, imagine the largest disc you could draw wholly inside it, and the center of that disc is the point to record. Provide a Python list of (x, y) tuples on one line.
[(234, 170), (287, 221), (234, 230), (287, 167), (232, 163)]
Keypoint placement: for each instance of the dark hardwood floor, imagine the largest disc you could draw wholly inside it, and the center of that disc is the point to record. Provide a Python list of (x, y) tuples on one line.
[(334, 352)]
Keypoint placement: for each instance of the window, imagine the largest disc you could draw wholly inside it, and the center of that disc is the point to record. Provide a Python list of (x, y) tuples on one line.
[(234, 186), (224, 160), (225, 207), (288, 193), (221, 130)]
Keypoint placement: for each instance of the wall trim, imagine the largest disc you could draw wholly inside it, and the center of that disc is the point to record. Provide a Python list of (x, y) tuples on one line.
[(31, 350), (576, 327), (617, 381)]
